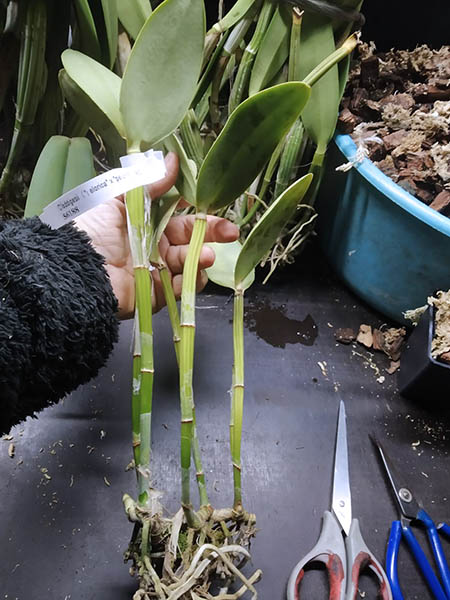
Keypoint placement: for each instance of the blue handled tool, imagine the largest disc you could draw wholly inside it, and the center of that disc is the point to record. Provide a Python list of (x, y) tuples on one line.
[(344, 561), (411, 512)]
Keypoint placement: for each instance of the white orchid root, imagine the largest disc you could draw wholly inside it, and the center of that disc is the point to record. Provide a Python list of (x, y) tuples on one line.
[(175, 562)]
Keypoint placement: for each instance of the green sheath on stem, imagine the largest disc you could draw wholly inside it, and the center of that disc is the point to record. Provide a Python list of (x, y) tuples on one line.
[(229, 48), (199, 473), (270, 169), (190, 134), (31, 82), (176, 328), (187, 361), (289, 157), (237, 395), (273, 51), (232, 418), (205, 80), (325, 65), (240, 86), (171, 307), (235, 14), (294, 48), (316, 169), (137, 207), (295, 136), (136, 396), (161, 212), (144, 304)]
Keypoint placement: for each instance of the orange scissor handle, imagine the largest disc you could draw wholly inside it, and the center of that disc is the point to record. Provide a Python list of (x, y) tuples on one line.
[(359, 558), (329, 550)]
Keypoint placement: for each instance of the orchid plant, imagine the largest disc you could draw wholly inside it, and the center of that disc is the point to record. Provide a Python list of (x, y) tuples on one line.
[(171, 97)]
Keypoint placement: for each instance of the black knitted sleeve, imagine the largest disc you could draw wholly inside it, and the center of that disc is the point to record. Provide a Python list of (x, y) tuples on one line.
[(58, 319)]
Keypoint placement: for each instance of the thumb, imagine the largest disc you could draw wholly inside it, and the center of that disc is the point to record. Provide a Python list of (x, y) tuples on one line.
[(158, 188)]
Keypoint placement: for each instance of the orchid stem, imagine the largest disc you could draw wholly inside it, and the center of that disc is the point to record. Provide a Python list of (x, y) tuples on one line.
[(187, 325), (138, 210), (237, 407), (176, 328)]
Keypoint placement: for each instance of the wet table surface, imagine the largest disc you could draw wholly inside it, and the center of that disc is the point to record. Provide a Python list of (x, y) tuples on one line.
[(63, 530)]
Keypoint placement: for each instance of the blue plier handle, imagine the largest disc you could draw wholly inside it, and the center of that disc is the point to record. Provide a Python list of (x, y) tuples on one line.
[(399, 530), (438, 551), (412, 511)]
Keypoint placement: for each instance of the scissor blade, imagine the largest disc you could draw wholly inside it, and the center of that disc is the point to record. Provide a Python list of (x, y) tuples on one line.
[(409, 507), (342, 500)]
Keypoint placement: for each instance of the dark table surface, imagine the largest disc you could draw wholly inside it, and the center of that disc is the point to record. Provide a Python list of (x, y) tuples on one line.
[(63, 529)]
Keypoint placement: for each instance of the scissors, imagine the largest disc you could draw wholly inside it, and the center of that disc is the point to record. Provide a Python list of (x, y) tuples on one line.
[(411, 511), (344, 561)]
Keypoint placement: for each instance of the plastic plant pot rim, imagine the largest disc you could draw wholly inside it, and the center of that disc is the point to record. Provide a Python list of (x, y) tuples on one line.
[(390, 189)]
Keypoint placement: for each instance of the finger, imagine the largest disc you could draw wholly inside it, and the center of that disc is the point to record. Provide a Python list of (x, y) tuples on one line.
[(177, 283), (158, 298), (175, 258), (163, 185), (123, 287), (221, 230), (118, 202), (164, 246), (183, 203), (179, 230), (202, 280), (207, 257)]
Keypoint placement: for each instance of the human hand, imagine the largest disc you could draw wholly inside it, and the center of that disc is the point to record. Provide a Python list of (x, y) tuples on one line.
[(106, 225)]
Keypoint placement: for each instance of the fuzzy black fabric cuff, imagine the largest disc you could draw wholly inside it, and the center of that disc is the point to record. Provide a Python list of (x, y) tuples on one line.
[(58, 319)]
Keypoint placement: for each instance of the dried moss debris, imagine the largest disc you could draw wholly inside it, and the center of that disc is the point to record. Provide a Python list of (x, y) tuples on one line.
[(397, 108), (440, 345)]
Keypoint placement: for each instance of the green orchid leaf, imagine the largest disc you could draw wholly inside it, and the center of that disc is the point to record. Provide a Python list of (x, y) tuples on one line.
[(222, 271), (265, 233), (133, 14), (89, 111), (87, 32), (186, 181), (111, 28), (321, 113), (104, 14), (48, 177), (273, 52), (63, 164), (161, 75), (74, 125), (343, 71), (96, 81), (79, 164), (246, 143)]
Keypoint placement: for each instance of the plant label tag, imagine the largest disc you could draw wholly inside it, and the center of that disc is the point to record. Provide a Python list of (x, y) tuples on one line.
[(137, 169)]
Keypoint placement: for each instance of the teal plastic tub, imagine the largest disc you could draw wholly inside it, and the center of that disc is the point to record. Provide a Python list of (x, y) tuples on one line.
[(391, 249)]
